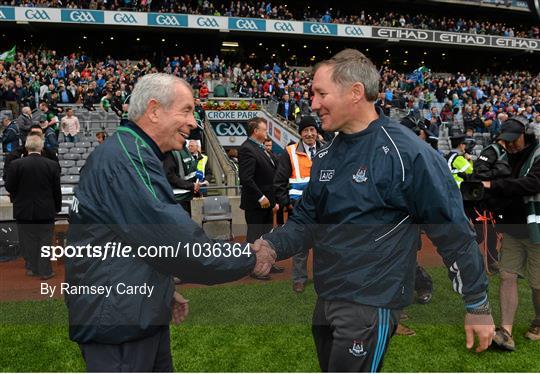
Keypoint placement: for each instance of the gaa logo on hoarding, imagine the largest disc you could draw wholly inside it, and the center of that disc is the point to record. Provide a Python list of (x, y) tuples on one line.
[(246, 24), (353, 31), (167, 20), (207, 22), (230, 129), (37, 14), (78, 16), (283, 26), (317, 28), (124, 18)]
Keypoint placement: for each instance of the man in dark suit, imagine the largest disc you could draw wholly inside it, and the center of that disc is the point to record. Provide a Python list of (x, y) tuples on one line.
[(287, 108), (256, 169), (34, 184)]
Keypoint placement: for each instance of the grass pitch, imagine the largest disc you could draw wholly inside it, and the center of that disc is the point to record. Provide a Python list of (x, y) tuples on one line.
[(266, 327)]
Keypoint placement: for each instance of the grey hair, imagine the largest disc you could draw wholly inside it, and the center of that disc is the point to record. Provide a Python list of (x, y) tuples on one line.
[(158, 86), (34, 143), (351, 66)]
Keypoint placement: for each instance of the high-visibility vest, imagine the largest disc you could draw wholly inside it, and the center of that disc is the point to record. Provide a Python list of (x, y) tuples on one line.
[(458, 164), (201, 164), (301, 168)]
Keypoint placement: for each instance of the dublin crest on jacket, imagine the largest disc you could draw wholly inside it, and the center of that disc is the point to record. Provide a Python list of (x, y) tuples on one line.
[(360, 176)]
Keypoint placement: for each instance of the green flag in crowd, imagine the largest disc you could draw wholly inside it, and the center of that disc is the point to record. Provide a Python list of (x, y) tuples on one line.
[(8, 56)]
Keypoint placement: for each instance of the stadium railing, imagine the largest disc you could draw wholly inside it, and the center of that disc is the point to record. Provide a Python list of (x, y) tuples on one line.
[(221, 165)]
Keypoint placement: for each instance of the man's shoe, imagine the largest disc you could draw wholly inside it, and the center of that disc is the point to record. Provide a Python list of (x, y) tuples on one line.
[(424, 297), (403, 316), (503, 339), (277, 269), (45, 277), (403, 330), (30, 273), (260, 277), (533, 333), (299, 287)]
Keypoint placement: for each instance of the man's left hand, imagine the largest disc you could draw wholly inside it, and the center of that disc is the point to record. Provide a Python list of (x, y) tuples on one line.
[(487, 184), (180, 308), (482, 326)]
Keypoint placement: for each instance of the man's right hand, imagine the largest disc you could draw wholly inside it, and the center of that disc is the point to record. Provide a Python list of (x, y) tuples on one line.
[(265, 203), (266, 257), (483, 327)]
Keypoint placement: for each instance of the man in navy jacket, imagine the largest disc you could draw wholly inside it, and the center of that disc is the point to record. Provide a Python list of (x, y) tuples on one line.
[(124, 199), (370, 190)]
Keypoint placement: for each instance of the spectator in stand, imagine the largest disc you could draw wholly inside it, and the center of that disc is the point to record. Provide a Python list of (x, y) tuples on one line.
[(24, 122), (49, 117), (305, 104), (287, 108), (10, 136), (446, 113), (220, 90), (117, 102), (383, 104), (11, 98), (21, 152), (65, 96), (203, 91), (70, 126), (51, 139), (433, 121), (496, 124), (105, 101)]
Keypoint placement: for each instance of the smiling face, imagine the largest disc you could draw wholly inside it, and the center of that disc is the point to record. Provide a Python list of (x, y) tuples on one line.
[(309, 135), (175, 122), (331, 101)]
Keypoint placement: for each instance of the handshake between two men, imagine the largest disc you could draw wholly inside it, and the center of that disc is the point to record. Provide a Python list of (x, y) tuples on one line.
[(265, 255)]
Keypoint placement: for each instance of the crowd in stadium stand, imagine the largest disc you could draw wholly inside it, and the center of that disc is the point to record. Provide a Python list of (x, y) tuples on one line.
[(477, 99), (273, 10)]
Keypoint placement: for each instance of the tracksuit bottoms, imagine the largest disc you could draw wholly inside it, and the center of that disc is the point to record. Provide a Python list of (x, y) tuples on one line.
[(351, 337)]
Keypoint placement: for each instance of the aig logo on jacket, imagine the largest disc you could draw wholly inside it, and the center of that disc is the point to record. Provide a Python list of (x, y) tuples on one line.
[(326, 175)]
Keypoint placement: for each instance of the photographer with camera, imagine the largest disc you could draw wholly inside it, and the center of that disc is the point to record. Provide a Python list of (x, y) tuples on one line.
[(520, 253), (480, 206)]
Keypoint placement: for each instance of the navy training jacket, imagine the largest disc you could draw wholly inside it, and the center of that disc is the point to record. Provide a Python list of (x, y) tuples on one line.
[(369, 195), (124, 197)]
